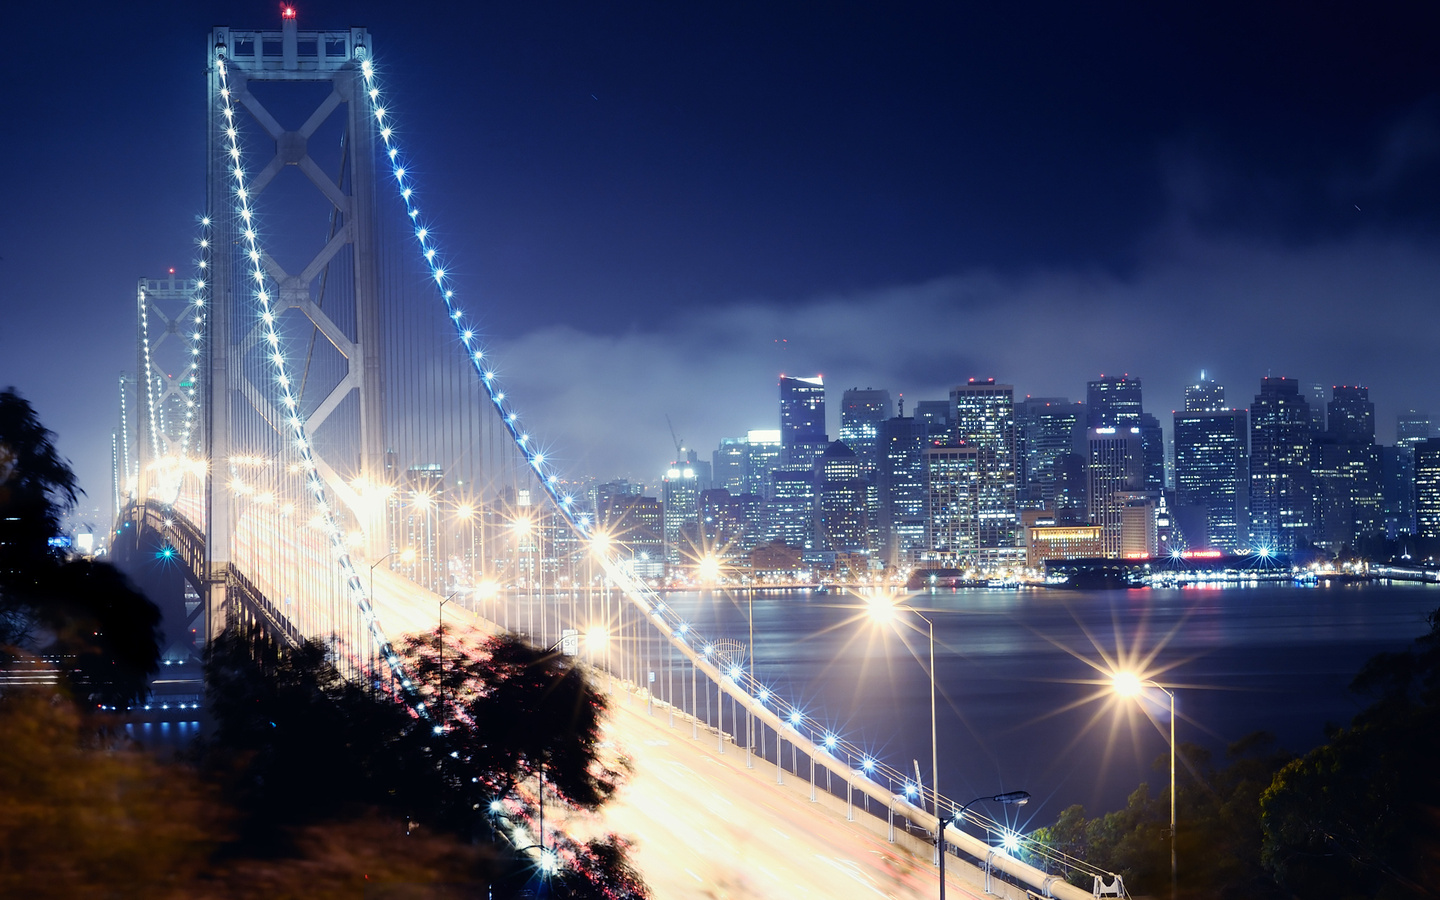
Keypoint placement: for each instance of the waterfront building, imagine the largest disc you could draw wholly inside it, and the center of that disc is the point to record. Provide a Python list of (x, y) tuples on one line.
[(635, 524), (1282, 512), (952, 489), (1427, 488), (984, 415), (1046, 540), (1397, 490), (1212, 474), (1116, 471), (900, 487), (1347, 473)]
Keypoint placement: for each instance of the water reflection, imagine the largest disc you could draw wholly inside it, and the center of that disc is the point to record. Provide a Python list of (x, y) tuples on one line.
[(1020, 705)]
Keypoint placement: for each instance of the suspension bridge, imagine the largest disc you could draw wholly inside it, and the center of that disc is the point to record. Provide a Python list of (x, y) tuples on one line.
[(318, 441)]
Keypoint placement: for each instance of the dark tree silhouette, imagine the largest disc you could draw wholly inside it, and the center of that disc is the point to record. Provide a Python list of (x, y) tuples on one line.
[(85, 612)]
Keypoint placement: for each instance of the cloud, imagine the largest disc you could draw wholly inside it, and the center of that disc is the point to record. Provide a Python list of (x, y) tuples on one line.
[(1349, 312)]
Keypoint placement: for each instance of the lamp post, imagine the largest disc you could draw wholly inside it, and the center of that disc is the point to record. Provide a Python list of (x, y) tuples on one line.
[(440, 642), (1014, 798), (1128, 684), (881, 610)]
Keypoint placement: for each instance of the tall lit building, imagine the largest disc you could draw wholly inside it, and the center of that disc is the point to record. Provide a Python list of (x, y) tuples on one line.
[(743, 465), (861, 412), (802, 421), (938, 417), (1212, 475), (1046, 430), (1204, 395), (1427, 488), (792, 508), (900, 486), (1282, 509), (952, 490), (680, 496), (727, 464), (1346, 471), (1116, 472), (841, 523), (1113, 401), (985, 421), (1412, 427)]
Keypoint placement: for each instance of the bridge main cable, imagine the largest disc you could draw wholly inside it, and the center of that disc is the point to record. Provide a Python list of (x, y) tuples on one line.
[(268, 318)]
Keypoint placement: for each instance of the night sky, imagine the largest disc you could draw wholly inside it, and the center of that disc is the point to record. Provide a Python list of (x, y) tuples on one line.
[(660, 207)]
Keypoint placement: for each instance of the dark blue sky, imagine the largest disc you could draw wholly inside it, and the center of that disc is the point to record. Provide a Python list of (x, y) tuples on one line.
[(908, 194)]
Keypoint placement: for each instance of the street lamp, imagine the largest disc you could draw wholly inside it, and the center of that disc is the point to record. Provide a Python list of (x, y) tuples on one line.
[(1014, 798), (881, 610), (1128, 684), (440, 642)]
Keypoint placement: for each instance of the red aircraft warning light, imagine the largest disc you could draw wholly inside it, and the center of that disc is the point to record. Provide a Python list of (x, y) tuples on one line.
[(287, 12)]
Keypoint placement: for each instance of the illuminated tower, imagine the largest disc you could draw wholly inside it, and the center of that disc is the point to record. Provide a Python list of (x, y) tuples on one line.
[(290, 62), (861, 413), (802, 421), (1282, 508), (985, 422)]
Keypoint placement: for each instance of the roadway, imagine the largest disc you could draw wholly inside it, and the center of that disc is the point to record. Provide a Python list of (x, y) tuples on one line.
[(704, 826)]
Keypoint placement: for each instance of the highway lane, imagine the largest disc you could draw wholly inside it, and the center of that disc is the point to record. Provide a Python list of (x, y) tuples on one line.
[(702, 824)]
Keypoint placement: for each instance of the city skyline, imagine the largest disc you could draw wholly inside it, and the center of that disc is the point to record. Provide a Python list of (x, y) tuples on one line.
[(690, 202)]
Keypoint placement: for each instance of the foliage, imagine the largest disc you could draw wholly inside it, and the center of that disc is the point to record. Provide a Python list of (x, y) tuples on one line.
[(1218, 840), (299, 745), (1360, 815), (83, 611)]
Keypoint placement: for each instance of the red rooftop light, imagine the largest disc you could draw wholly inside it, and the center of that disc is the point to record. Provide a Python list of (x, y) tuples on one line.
[(287, 12)]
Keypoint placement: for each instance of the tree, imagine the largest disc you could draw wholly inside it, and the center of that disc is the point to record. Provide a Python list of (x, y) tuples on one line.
[(1360, 815), (299, 746), (79, 610)]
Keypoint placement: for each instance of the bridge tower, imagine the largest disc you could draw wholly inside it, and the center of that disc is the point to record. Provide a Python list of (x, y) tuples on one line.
[(271, 75)]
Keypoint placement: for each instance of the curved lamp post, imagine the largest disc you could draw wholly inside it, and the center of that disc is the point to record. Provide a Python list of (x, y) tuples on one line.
[(1128, 684), (1014, 798)]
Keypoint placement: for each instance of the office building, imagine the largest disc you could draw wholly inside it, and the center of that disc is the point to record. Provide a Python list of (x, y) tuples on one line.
[(1282, 511), (1116, 473), (952, 489), (680, 496), (984, 414), (900, 487), (1204, 395), (861, 412), (841, 523), (792, 508), (1212, 476), (802, 421), (1046, 429), (1427, 488)]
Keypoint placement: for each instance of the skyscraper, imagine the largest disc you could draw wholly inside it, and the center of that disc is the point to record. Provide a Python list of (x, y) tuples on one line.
[(1114, 401), (1212, 475), (900, 485), (1427, 488), (1204, 395), (1346, 470), (1116, 472), (792, 508), (840, 489), (680, 496), (985, 421), (1046, 429), (952, 488), (802, 420), (1282, 511), (861, 413)]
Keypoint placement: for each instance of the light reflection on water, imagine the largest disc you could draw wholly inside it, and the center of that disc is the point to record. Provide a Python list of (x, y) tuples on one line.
[(1272, 658)]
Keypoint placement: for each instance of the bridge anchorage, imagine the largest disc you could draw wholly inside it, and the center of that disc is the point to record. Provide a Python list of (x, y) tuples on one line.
[(316, 442)]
